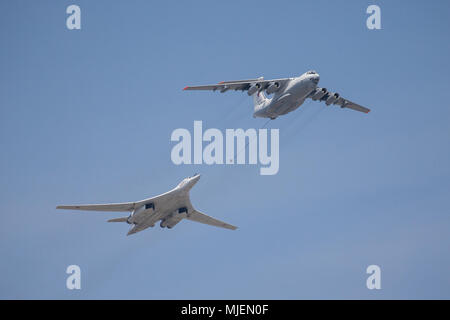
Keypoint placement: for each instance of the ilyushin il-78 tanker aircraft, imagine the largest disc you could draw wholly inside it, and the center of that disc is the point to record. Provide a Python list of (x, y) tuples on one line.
[(170, 207), (288, 94)]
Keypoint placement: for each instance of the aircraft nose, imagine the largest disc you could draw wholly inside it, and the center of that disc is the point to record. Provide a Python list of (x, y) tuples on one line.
[(316, 79), (196, 177)]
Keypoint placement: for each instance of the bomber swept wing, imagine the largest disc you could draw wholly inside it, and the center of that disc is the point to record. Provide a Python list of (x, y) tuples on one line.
[(117, 207), (197, 216), (111, 207)]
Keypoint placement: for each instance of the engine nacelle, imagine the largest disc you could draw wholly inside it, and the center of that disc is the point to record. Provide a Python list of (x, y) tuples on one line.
[(253, 88), (333, 97), (163, 223), (336, 96), (129, 219), (273, 87), (135, 216), (319, 94), (150, 205)]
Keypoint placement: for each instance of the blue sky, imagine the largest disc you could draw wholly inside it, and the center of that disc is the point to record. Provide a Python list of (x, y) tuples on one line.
[(86, 117)]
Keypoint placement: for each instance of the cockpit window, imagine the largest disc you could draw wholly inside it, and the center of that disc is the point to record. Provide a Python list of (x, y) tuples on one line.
[(311, 72), (182, 183)]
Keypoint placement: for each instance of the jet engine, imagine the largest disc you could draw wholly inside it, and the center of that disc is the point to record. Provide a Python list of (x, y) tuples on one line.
[(273, 87), (253, 88), (319, 94), (135, 215), (163, 223), (332, 98), (224, 89)]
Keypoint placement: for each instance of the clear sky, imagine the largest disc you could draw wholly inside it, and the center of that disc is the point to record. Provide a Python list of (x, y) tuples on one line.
[(86, 117)]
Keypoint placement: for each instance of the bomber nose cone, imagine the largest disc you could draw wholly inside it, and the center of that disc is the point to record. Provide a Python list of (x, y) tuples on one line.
[(196, 177)]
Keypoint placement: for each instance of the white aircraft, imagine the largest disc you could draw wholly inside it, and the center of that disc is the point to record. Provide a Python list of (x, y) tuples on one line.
[(170, 207), (289, 94)]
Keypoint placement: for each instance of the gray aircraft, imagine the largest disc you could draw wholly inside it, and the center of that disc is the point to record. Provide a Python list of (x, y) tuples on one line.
[(288, 94), (170, 207)]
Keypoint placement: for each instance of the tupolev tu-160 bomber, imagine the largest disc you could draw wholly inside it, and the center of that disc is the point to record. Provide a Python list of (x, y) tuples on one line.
[(170, 207), (288, 94)]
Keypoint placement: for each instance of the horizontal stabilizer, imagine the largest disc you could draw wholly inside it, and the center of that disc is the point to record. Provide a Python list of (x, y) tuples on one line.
[(124, 219)]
